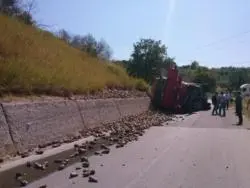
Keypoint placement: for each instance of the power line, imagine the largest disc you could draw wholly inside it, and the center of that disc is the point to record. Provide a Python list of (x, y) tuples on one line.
[(224, 39), (242, 63)]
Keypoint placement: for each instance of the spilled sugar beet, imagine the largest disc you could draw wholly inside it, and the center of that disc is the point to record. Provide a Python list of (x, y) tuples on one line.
[(121, 132)]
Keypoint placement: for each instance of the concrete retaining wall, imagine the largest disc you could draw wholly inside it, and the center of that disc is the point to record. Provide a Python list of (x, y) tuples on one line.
[(94, 112), (32, 123), (132, 106), (42, 122), (6, 144)]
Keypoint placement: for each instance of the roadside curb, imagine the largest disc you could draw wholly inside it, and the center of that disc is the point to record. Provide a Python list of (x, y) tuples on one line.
[(47, 153)]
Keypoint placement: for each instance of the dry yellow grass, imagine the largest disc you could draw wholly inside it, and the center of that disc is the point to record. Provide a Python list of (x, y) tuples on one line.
[(34, 61), (246, 107)]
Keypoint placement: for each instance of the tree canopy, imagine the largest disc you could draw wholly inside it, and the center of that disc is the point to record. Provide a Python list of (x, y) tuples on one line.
[(147, 58), (87, 43), (205, 79), (150, 56), (18, 9)]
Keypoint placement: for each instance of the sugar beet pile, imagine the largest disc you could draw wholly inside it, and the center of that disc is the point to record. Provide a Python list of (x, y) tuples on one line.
[(118, 133)]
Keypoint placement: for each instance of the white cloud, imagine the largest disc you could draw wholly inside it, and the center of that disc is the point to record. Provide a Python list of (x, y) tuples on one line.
[(171, 6), (171, 9)]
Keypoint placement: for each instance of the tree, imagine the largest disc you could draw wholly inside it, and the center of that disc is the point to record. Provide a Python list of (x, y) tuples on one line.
[(8, 3), (64, 35), (20, 10), (103, 50), (169, 61), (237, 77), (90, 45), (9, 7), (148, 57), (26, 17), (194, 65), (28, 5), (76, 41), (206, 80)]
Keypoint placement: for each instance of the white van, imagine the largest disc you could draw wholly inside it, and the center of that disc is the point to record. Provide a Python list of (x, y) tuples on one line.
[(245, 90)]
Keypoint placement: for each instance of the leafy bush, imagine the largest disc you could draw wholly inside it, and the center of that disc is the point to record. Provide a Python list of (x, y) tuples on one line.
[(141, 85), (247, 111)]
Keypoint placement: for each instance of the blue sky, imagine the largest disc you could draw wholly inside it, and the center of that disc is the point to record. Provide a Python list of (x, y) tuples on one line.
[(186, 27)]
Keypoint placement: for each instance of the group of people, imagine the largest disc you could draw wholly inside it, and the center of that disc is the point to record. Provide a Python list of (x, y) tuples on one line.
[(221, 103)]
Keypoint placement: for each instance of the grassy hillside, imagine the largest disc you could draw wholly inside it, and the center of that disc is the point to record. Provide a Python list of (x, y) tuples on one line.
[(34, 61)]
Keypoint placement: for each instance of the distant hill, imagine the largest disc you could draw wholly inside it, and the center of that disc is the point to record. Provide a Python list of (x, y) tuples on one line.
[(226, 77)]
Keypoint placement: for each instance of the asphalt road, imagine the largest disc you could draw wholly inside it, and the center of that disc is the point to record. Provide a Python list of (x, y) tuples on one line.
[(201, 151)]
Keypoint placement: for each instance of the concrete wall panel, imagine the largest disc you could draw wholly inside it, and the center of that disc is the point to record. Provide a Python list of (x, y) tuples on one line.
[(132, 106), (6, 144), (100, 111), (43, 122)]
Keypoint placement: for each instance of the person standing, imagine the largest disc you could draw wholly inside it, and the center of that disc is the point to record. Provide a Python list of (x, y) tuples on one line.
[(222, 104), (238, 108), (218, 103), (228, 100), (215, 104)]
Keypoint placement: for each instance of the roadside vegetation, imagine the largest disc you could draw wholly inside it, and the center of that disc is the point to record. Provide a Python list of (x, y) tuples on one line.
[(247, 108), (33, 61), (38, 61)]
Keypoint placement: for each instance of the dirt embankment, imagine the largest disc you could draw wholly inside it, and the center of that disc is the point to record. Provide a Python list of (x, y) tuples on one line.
[(104, 94)]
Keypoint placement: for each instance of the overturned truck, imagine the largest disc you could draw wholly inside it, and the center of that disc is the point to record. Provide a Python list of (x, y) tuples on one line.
[(172, 94)]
